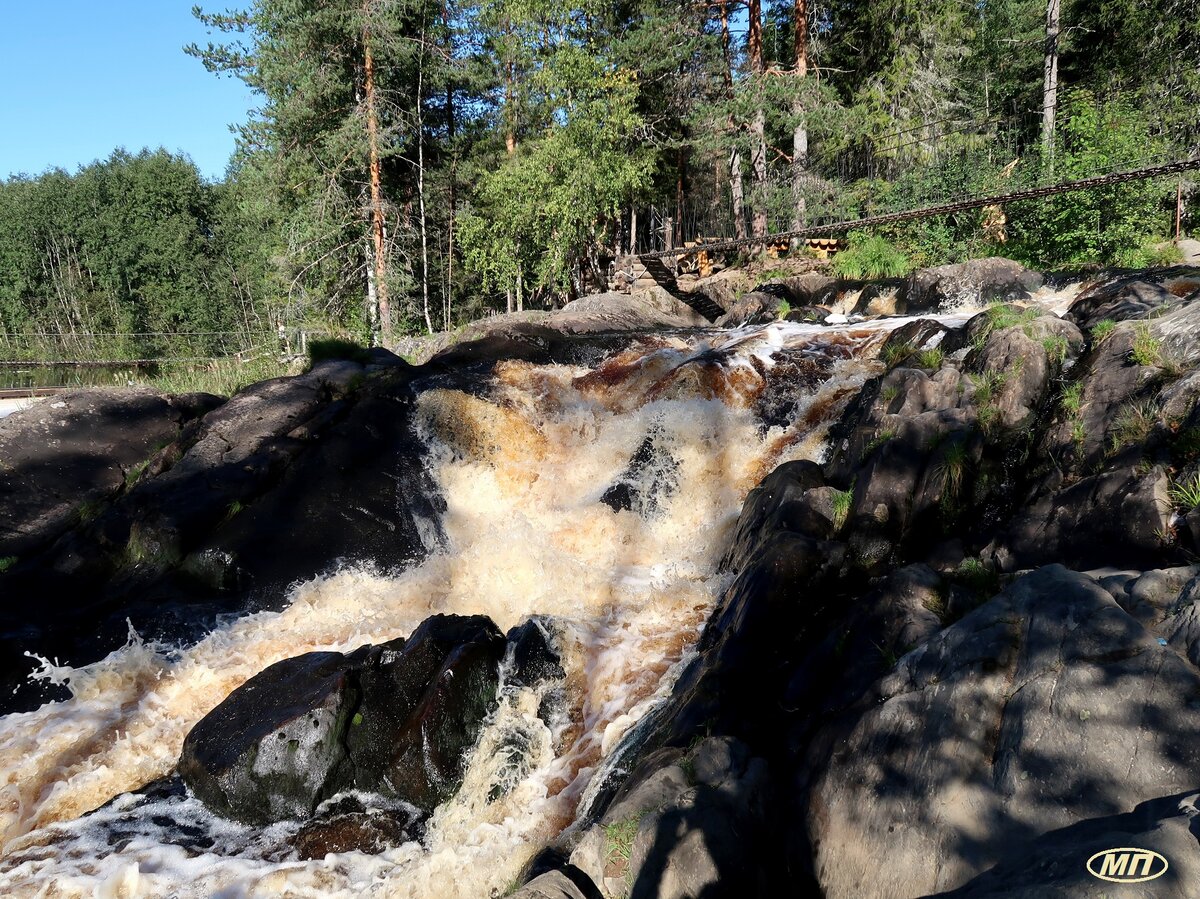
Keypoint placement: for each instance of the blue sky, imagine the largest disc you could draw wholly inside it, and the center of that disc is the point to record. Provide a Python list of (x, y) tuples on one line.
[(79, 78)]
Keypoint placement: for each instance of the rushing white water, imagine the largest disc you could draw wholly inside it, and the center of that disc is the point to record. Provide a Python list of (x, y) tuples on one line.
[(523, 465)]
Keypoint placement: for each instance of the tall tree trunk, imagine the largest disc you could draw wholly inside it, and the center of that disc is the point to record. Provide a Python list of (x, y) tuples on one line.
[(379, 252), (737, 192), (758, 128), (800, 131), (510, 97), (421, 183), (1050, 77)]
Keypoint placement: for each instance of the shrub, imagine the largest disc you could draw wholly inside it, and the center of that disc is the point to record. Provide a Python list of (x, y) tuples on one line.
[(931, 358), (336, 348), (869, 256)]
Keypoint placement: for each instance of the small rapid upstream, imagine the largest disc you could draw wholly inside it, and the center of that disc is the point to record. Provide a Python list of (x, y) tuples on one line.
[(526, 463)]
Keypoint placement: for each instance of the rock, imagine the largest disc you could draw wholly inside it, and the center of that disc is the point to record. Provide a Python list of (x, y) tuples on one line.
[(1118, 300), (1055, 864), (974, 282), (881, 298), (912, 337), (394, 719), (779, 503), (60, 459), (754, 308), (643, 309), (836, 318), (531, 656), (369, 832), (1119, 517), (651, 475), (807, 314), (1042, 709), (810, 288), (684, 827), (555, 885)]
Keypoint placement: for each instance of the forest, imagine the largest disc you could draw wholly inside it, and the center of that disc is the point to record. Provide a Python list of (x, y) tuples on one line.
[(415, 164)]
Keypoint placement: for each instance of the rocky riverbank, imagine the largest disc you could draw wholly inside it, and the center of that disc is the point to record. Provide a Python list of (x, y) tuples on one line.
[(952, 646)]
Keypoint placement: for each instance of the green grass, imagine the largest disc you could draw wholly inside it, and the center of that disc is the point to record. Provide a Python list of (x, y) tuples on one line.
[(1146, 349), (842, 501), (895, 353), (783, 309), (234, 509), (771, 274), (135, 472), (1186, 493), (1132, 425), (7, 562), (870, 256), (88, 511), (931, 358), (1056, 348), (1001, 316), (1072, 398), (973, 574), (951, 470), (223, 377), (889, 393), (877, 441), (1103, 330)]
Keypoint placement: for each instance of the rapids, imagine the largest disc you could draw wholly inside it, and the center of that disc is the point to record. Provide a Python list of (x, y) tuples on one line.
[(523, 462)]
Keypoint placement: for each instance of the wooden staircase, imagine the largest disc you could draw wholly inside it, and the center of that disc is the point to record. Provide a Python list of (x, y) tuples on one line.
[(641, 273)]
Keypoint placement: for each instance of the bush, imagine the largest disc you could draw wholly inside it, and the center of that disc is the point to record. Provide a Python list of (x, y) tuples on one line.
[(337, 348), (869, 256)]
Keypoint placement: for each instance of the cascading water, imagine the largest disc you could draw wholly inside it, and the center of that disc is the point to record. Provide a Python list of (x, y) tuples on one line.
[(526, 463)]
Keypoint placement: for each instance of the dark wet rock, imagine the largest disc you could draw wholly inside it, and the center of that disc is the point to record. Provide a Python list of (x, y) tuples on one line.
[(1043, 708), (395, 719), (62, 458), (1133, 295), (780, 503), (203, 535), (754, 308), (977, 281), (681, 826), (651, 476), (912, 337), (369, 832), (532, 656)]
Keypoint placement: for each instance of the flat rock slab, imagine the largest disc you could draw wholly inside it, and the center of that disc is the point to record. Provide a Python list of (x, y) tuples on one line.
[(1046, 707)]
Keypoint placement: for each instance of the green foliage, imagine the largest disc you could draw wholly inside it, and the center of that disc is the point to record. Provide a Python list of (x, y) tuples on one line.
[(951, 470), (7, 562), (1186, 493), (1111, 225), (336, 348), (1132, 425), (931, 358), (1146, 349), (870, 256), (783, 309), (1103, 330), (1072, 398), (1056, 347), (223, 377), (896, 352), (842, 501), (618, 840)]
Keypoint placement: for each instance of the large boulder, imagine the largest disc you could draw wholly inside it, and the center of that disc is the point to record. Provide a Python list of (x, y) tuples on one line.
[(1046, 707), (60, 458), (395, 719), (1133, 295), (1117, 517), (655, 307), (754, 308), (681, 825), (994, 279)]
